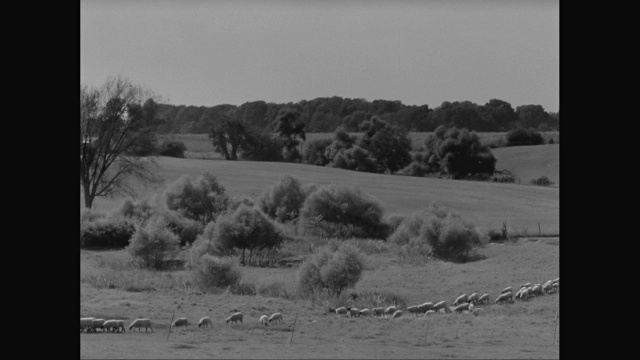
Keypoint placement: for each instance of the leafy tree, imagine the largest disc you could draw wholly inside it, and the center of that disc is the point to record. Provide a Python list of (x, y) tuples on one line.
[(112, 122), (314, 153), (230, 132), (153, 242), (531, 116), (260, 146), (333, 271), (521, 137), (389, 145), (501, 112), (200, 199), (288, 129), (283, 200)]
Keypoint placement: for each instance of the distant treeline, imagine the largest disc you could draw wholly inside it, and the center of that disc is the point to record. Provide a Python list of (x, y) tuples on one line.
[(327, 114)]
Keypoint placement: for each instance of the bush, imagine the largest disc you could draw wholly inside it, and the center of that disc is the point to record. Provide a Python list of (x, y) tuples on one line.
[(213, 272), (314, 154), (105, 233), (283, 200), (520, 137), (332, 208), (137, 211), (333, 271), (153, 243), (234, 203), (200, 199), (542, 181), (146, 145), (262, 147), (173, 149)]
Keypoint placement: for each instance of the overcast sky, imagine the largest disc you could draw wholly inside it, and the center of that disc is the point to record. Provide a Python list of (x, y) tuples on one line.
[(207, 53)]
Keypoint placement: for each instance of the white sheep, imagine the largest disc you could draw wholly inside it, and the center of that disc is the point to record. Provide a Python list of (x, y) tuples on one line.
[(504, 297), (205, 322), (110, 325), (235, 318), (365, 312), (379, 311), (473, 298), (525, 285), (429, 312), (277, 317), (460, 308), (537, 290), (120, 325), (141, 323), (390, 310), (396, 314), (425, 307), (472, 308), (524, 295), (414, 310), (557, 280), (98, 323), (341, 311), (86, 324), (547, 287), (483, 299), (461, 299), (353, 311), (180, 322), (441, 305), (506, 290), (264, 320)]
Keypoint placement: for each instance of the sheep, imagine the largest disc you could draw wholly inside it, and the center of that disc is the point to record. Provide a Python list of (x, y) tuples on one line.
[(180, 322), (525, 285), (537, 290), (472, 308), (98, 323), (557, 280), (390, 310), (460, 308), (379, 311), (264, 320), (504, 297), (86, 324), (120, 325), (205, 322), (397, 314), (235, 318), (413, 310), (473, 298), (461, 299), (353, 312), (442, 305), (110, 325), (483, 299), (425, 307), (139, 323), (365, 312), (429, 312), (277, 317), (506, 290), (341, 311), (547, 287)]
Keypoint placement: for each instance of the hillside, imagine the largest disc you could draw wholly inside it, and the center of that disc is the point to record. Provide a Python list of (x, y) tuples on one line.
[(487, 205), (529, 162)]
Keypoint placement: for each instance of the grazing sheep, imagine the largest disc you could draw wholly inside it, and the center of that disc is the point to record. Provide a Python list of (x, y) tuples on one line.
[(390, 310), (472, 308), (537, 290), (141, 323), (462, 307), (429, 312), (264, 320), (483, 299), (525, 285), (556, 286), (414, 310), (86, 324), (504, 297), (365, 312), (547, 287), (180, 322), (506, 290), (473, 298), (341, 311), (397, 314), (442, 305), (98, 323), (110, 325), (205, 322), (379, 311), (425, 307), (277, 317), (120, 325), (353, 311), (556, 281), (461, 299), (235, 318)]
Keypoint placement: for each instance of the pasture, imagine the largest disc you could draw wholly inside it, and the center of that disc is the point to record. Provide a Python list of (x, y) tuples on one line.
[(519, 330)]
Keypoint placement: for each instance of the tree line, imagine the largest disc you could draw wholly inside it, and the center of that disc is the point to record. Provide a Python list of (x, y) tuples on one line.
[(325, 114)]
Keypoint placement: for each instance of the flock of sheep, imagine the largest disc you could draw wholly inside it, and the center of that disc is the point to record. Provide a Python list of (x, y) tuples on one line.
[(461, 303)]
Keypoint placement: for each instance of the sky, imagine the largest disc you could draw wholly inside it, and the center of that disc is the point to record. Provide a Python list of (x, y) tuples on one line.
[(207, 53)]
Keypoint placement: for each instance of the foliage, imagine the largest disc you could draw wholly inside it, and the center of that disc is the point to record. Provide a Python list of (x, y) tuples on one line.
[(331, 270), (173, 149), (153, 242), (100, 232), (288, 129), (261, 147), (230, 132), (283, 199), (213, 272), (200, 199), (542, 181), (520, 137), (347, 206), (314, 153), (389, 146)]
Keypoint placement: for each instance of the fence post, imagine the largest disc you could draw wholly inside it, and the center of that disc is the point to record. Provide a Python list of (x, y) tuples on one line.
[(427, 334), (539, 231), (174, 313), (294, 329)]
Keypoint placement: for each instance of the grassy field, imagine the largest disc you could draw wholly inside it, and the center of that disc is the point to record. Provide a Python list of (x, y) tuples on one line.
[(486, 204), (519, 330), (529, 162)]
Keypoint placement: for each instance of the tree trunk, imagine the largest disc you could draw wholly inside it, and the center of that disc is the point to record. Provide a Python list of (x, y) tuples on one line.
[(243, 256), (88, 199), (250, 253)]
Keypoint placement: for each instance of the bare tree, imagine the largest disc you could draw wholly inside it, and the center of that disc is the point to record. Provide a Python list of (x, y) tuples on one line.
[(112, 119)]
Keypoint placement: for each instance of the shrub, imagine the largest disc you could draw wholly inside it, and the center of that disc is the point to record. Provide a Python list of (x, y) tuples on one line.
[(173, 149), (542, 181), (314, 154), (105, 233), (200, 199), (138, 211), (213, 272), (333, 271), (345, 206), (520, 136), (262, 147), (234, 203), (153, 243), (146, 145), (283, 200)]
